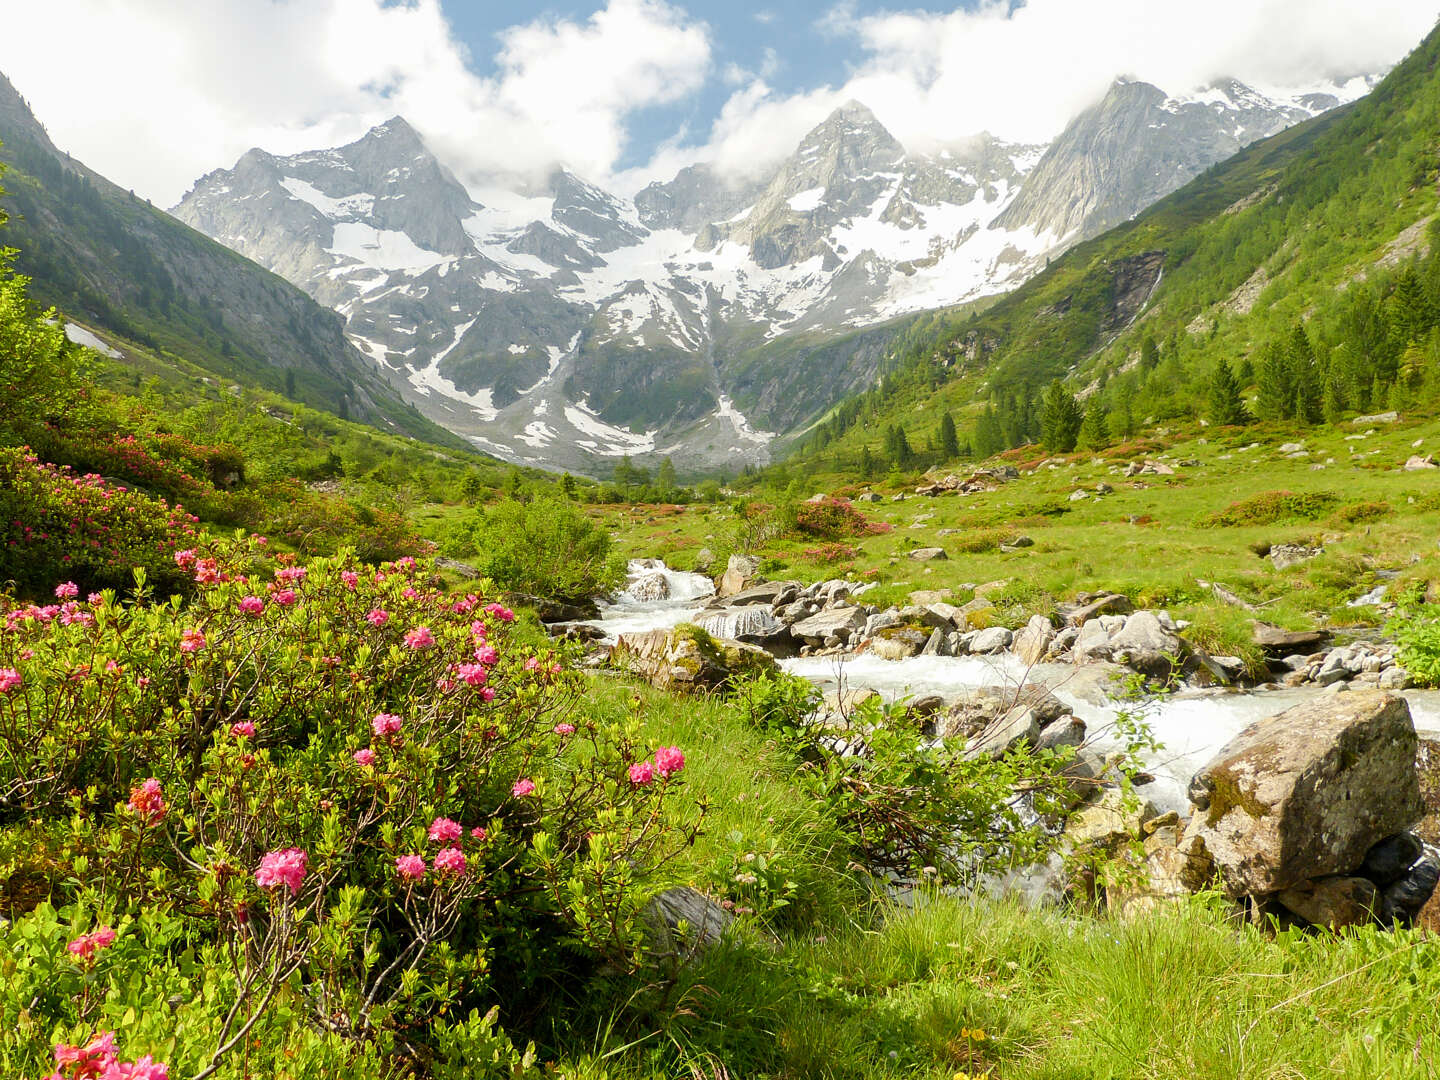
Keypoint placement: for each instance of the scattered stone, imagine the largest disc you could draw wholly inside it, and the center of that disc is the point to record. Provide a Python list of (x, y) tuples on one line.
[(869, 497), (688, 659), (926, 597), (976, 709), (704, 560), (1146, 645), (1277, 642), (648, 588), (456, 567), (1034, 640), (1291, 447), (1416, 463), (993, 639), (898, 643), (1333, 902), (929, 554), (841, 622), (1377, 418), (1115, 818), (1066, 731), (1389, 860), (1284, 556), (553, 611), (752, 624), (741, 571), (1016, 728), (1413, 893), (767, 592), (1308, 792), (684, 923), (1091, 605)]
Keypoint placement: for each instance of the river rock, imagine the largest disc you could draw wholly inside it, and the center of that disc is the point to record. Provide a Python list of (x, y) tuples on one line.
[(991, 640), (688, 659), (704, 560), (741, 571), (553, 611), (456, 567), (1308, 792), (881, 620), (1114, 818), (1066, 731), (1389, 860), (1278, 642), (1020, 727), (767, 592), (1144, 644), (1033, 641), (840, 622), (683, 923), (976, 709), (1166, 873), (1089, 606), (938, 643), (898, 643), (649, 587), (1333, 902), (928, 554), (1406, 898)]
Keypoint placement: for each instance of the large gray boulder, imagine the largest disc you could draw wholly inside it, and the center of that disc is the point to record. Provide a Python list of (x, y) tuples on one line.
[(752, 623), (841, 622), (1306, 793), (1144, 644), (687, 658), (741, 572), (984, 706), (1033, 641), (767, 592), (993, 639), (683, 923)]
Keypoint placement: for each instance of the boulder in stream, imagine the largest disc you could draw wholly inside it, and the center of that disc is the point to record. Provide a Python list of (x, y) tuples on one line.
[(1307, 793), (686, 658), (741, 572)]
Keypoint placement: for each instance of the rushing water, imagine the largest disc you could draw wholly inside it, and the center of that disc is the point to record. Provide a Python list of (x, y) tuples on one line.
[(1191, 726)]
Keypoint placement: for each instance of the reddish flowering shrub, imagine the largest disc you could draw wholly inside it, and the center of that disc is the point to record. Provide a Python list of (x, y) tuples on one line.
[(58, 525), (128, 745), (832, 519), (831, 553)]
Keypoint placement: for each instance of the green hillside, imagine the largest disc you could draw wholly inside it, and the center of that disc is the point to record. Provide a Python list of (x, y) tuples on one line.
[(1306, 263)]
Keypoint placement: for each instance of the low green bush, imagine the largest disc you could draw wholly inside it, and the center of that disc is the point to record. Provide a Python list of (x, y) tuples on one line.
[(1270, 507), (546, 547)]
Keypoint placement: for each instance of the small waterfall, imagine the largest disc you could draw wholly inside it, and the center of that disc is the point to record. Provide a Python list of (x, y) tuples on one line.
[(654, 597)]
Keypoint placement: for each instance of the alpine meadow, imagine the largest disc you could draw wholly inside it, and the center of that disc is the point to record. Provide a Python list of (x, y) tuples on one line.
[(636, 541)]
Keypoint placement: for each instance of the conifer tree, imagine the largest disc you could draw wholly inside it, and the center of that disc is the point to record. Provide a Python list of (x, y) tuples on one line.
[(1060, 419), (1095, 430), (989, 436), (665, 482), (867, 462), (1276, 399), (949, 439), (1226, 406)]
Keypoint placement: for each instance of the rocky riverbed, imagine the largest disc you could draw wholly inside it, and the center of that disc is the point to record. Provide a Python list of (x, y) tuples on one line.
[(1057, 681)]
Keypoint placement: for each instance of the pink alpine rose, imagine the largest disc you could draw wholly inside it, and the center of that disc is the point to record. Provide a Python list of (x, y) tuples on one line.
[(147, 800), (192, 641), (522, 787), (9, 679), (282, 869), (385, 724), (450, 860), (443, 830), (419, 638), (365, 757), (67, 590), (410, 867), (377, 617), (243, 729), (669, 760), (641, 773), (252, 606)]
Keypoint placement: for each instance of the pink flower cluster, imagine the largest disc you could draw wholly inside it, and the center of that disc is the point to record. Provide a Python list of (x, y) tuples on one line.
[(9, 680), (365, 757), (285, 868), (522, 787), (377, 617), (386, 724), (291, 575), (87, 945), (67, 590), (419, 638), (191, 641), (243, 729), (252, 606), (97, 1060), (147, 801), (669, 760)]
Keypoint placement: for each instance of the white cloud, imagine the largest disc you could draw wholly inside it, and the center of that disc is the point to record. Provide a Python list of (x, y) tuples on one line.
[(154, 93), (158, 93), (1023, 74)]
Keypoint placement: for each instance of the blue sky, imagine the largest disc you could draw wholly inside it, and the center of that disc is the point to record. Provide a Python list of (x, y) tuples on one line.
[(786, 40), (155, 93)]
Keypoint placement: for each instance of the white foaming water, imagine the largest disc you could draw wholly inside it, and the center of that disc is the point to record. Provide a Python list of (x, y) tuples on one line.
[(627, 615)]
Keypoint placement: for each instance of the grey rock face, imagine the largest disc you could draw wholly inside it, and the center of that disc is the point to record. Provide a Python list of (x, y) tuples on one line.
[(1307, 793)]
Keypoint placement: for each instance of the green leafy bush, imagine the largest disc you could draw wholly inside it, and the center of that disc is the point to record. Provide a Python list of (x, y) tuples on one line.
[(1270, 507), (546, 547), (834, 519), (335, 794)]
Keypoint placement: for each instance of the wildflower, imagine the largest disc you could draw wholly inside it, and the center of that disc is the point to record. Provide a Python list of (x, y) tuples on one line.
[(419, 638), (405, 562), (501, 612), (251, 605), (207, 571), (185, 559), (478, 833), (90, 1060), (669, 760), (410, 593), (377, 617), (145, 1068), (450, 860), (385, 724), (532, 664), (522, 787), (285, 597), (365, 757), (564, 729), (290, 575), (282, 868), (443, 830), (641, 773), (67, 590), (87, 945), (148, 802), (487, 655), (243, 729), (487, 695), (473, 674), (192, 641), (411, 867), (350, 578), (9, 679)]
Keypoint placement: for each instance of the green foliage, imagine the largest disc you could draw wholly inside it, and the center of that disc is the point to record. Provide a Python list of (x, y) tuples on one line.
[(1417, 634), (545, 547), (1226, 407), (1060, 419), (833, 519), (1270, 507), (1095, 431)]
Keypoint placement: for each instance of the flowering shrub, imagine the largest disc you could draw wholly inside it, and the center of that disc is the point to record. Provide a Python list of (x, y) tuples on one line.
[(826, 554), (56, 525), (833, 519), (341, 822)]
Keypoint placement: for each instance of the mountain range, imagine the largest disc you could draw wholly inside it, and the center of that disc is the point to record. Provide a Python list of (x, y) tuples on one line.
[(112, 262), (569, 326)]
